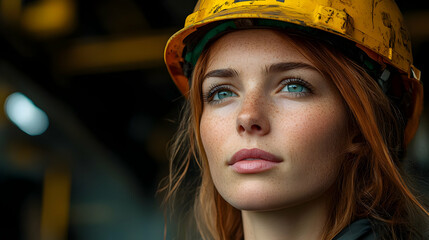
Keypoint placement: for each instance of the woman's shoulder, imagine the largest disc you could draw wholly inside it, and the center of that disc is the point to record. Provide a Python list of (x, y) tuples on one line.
[(361, 229), (371, 229)]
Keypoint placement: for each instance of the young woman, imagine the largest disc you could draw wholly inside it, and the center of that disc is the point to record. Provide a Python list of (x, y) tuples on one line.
[(297, 117)]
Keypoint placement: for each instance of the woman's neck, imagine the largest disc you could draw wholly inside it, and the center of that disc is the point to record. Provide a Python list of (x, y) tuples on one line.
[(303, 222)]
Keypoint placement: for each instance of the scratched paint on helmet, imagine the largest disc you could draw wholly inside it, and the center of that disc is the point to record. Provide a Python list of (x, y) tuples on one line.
[(236, 1)]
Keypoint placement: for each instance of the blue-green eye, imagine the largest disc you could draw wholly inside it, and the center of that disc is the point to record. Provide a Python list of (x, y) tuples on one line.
[(222, 94), (295, 88)]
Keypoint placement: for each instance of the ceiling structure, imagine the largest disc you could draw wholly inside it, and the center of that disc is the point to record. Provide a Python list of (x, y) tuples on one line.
[(104, 61)]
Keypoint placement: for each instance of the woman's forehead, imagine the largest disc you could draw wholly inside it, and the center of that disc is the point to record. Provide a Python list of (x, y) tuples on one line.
[(253, 46), (247, 37)]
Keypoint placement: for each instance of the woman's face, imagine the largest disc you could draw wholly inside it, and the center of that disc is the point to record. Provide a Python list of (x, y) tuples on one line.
[(273, 128)]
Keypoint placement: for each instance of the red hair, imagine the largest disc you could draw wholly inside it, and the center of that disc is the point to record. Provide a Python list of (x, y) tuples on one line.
[(371, 181)]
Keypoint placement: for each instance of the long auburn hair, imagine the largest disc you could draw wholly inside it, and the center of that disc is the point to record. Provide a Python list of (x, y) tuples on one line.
[(371, 182)]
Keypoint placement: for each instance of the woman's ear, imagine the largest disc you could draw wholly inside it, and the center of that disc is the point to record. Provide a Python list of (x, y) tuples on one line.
[(356, 143)]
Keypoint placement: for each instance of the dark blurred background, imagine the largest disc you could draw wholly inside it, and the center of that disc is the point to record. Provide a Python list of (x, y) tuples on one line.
[(88, 108)]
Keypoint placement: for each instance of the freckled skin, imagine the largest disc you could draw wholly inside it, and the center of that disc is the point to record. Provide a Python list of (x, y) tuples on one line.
[(307, 132)]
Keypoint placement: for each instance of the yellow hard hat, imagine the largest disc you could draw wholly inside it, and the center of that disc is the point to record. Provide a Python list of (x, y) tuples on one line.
[(376, 27)]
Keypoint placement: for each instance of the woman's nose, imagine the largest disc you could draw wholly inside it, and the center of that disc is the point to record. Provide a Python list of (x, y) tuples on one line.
[(253, 117)]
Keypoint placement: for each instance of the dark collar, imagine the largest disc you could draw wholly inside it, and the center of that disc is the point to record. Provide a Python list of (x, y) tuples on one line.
[(358, 230)]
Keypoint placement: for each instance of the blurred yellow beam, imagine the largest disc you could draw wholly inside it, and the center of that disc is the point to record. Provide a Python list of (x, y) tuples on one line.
[(41, 18), (46, 18), (10, 10), (56, 203), (110, 54)]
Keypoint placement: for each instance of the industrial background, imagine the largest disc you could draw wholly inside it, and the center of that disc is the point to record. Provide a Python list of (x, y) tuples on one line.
[(88, 108)]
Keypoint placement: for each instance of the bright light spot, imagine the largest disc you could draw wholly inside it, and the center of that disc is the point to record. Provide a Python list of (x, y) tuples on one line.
[(24, 114)]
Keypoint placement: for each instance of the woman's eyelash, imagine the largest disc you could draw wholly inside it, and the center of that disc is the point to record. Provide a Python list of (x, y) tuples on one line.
[(297, 80), (208, 96)]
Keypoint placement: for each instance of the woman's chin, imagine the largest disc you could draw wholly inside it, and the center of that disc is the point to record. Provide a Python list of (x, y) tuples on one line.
[(257, 205), (271, 200), (260, 202)]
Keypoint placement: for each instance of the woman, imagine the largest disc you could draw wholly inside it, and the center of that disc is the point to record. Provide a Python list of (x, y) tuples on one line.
[(298, 115)]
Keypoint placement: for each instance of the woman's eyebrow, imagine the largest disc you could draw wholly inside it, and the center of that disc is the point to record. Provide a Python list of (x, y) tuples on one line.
[(221, 73), (286, 66)]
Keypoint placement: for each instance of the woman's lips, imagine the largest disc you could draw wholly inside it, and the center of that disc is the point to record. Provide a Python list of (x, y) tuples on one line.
[(253, 161)]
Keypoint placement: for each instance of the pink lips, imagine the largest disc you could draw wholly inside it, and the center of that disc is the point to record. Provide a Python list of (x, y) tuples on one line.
[(253, 161)]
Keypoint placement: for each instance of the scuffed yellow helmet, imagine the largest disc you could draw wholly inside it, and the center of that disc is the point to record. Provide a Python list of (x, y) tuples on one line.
[(376, 27)]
